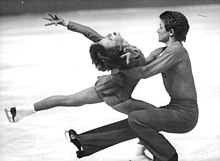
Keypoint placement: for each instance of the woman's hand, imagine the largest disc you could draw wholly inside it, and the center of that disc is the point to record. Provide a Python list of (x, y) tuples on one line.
[(55, 20)]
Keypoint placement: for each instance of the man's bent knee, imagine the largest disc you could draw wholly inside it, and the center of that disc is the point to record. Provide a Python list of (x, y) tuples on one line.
[(124, 107), (132, 119), (135, 120)]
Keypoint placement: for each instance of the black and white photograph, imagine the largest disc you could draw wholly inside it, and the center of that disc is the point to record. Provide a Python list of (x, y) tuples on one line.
[(119, 80)]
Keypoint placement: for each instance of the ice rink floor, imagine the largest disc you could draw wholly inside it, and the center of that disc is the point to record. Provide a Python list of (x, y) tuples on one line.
[(38, 61)]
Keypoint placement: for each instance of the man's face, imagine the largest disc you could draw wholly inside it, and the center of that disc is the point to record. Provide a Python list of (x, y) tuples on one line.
[(163, 35), (112, 40)]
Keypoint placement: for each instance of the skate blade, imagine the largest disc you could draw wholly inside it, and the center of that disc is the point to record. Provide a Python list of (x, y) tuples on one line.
[(9, 115), (67, 136)]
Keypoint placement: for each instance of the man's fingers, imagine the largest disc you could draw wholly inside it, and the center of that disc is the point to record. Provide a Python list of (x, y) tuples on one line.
[(127, 55), (127, 60), (124, 55)]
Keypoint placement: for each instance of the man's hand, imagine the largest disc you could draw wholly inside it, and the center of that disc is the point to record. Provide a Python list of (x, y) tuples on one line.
[(55, 20), (127, 55), (131, 52)]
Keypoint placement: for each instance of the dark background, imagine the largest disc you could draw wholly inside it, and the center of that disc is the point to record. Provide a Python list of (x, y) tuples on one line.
[(36, 6)]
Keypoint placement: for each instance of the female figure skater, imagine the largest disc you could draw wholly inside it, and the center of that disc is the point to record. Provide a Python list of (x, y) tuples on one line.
[(112, 53)]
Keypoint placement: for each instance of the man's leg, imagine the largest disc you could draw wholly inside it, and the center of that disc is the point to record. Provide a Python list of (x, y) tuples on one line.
[(131, 105), (135, 126), (87, 96), (148, 124), (98, 139)]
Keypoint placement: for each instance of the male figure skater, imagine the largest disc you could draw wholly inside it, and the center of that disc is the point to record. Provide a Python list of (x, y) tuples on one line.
[(179, 116)]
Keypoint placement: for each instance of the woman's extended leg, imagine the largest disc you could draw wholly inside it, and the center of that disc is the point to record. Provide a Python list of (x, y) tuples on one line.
[(86, 96)]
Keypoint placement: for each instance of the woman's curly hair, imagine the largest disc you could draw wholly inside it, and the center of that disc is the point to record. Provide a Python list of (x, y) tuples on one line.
[(107, 59)]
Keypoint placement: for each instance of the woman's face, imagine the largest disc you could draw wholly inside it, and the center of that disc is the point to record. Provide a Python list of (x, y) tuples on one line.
[(112, 40)]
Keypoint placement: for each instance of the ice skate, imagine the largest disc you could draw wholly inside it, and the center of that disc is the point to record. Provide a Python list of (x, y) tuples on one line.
[(11, 113), (73, 137), (14, 115)]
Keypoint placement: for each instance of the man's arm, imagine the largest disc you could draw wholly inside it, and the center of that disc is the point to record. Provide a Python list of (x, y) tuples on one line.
[(134, 56), (168, 59), (154, 55)]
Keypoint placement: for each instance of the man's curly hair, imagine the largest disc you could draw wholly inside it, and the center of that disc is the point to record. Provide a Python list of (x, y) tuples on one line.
[(176, 21), (107, 59)]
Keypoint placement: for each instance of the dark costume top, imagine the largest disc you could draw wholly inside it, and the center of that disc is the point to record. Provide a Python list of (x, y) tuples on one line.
[(174, 64), (114, 88)]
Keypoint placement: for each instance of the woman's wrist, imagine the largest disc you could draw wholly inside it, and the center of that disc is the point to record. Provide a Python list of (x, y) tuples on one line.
[(64, 23)]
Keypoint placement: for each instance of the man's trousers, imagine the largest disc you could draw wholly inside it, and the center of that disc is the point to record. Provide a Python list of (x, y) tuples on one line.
[(179, 116)]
